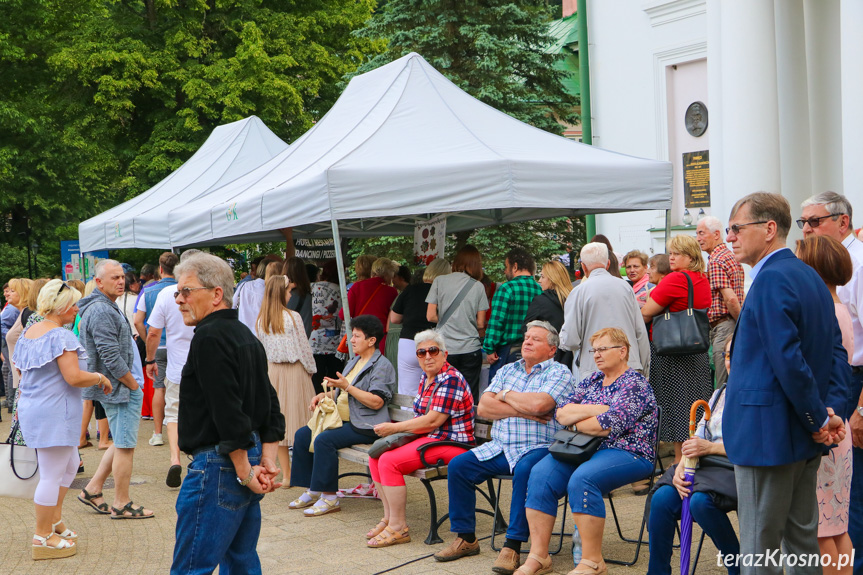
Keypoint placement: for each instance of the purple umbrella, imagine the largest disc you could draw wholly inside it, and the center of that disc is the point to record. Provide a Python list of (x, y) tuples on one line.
[(689, 464)]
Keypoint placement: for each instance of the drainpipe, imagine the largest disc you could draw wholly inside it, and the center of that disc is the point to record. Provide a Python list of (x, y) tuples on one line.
[(584, 81)]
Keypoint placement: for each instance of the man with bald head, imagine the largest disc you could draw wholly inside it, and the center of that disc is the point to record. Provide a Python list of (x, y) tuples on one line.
[(106, 335), (725, 275)]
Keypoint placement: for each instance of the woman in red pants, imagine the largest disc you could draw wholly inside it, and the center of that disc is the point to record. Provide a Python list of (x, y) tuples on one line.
[(443, 410)]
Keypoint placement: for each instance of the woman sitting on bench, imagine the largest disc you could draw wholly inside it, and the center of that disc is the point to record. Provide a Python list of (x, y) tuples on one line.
[(443, 411), (370, 383)]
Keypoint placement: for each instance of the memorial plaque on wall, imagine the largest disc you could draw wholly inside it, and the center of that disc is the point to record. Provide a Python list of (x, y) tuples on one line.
[(696, 179)]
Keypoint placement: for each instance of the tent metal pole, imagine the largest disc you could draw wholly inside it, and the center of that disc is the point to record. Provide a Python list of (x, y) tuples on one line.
[(340, 262), (667, 228)]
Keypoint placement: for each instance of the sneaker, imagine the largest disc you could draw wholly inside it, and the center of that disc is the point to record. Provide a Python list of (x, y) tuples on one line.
[(156, 439), (457, 549)]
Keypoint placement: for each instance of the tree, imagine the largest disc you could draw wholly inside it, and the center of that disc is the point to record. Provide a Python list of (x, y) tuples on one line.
[(492, 49)]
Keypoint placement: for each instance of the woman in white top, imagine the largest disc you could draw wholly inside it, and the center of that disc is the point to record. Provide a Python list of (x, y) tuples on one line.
[(129, 298), (290, 361)]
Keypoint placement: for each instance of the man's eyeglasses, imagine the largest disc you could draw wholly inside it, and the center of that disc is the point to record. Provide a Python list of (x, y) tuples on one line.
[(594, 350), (432, 351), (815, 222), (737, 227), (185, 292)]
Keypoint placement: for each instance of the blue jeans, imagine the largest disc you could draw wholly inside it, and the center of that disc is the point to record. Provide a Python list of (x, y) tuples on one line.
[(124, 419), (319, 471), (855, 517), (607, 470), (664, 513), (503, 359), (218, 520), (465, 471)]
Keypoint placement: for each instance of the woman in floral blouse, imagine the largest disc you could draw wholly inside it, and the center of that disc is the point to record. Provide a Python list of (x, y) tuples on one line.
[(290, 361), (326, 325), (443, 411), (618, 404)]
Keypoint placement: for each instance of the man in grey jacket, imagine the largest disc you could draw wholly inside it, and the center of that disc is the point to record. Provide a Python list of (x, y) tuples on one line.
[(601, 301), (107, 337)]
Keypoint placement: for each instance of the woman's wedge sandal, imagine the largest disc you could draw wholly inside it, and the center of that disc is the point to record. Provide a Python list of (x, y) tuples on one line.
[(390, 536), (44, 551), (133, 512), (66, 533), (87, 499)]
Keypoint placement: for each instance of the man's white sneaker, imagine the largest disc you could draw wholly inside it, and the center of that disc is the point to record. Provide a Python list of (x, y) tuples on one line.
[(156, 439)]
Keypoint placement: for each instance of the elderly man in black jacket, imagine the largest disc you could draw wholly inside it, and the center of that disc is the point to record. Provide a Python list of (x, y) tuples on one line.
[(230, 423)]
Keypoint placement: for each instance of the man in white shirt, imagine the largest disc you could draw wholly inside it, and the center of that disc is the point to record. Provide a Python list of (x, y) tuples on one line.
[(178, 336), (830, 214), (601, 301)]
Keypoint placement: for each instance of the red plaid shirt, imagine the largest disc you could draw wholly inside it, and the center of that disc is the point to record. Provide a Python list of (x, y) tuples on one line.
[(449, 394), (723, 271)]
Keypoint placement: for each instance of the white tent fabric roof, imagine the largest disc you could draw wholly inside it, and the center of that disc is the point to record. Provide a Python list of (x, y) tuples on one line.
[(231, 151), (404, 143)]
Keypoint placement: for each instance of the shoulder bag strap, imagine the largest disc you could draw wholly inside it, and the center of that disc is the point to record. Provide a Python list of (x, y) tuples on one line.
[(371, 297), (691, 291), (456, 302)]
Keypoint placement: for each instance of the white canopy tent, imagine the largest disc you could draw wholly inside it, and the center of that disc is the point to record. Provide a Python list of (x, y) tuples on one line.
[(231, 151)]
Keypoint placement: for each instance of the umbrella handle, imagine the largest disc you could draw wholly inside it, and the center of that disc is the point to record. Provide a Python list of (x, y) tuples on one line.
[(693, 414)]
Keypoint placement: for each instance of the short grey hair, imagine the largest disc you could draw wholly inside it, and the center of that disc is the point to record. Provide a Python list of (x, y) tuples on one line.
[(712, 223), (189, 253), (101, 265), (834, 203), (430, 335), (553, 338), (594, 255), (211, 271)]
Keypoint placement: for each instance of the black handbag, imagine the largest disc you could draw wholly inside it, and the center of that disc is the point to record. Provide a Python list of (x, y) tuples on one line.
[(390, 442), (682, 332), (574, 447)]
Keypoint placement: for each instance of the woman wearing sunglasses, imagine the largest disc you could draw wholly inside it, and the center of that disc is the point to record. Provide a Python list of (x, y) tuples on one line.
[(369, 383), (443, 411)]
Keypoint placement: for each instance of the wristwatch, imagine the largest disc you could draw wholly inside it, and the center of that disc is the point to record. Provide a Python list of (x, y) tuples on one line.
[(149, 361), (503, 395), (248, 479), (860, 410)]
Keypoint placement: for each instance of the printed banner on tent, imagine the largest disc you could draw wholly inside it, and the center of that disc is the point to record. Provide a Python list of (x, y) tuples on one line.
[(429, 240), (78, 266), (315, 249)]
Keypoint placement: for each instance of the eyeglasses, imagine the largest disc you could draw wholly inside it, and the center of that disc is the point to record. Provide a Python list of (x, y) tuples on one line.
[(815, 222), (737, 227), (185, 292), (432, 351), (603, 349), (62, 287)]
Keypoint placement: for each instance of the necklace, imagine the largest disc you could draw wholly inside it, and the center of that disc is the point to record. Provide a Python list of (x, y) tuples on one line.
[(52, 321)]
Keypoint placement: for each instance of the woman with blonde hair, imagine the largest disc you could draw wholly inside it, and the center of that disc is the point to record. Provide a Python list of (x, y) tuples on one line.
[(679, 380), (290, 361), (410, 310), (548, 305), (52, 366), (25, 319)]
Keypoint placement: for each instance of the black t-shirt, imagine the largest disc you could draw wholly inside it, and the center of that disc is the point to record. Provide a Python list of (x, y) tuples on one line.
[(411, 304)]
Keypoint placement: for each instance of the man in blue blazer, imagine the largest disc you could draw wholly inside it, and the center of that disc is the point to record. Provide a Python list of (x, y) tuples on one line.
[(789, 373)]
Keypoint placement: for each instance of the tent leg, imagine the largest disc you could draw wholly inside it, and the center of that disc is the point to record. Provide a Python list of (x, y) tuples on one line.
[(340, 263), (667, 228)]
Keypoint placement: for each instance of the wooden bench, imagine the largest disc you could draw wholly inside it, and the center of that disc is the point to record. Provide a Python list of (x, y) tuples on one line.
[(433, 472)]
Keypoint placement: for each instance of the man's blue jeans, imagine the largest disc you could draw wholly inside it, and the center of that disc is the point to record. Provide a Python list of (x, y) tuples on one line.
[(855, 518), (218, 520), (465, 471), (665, 511)]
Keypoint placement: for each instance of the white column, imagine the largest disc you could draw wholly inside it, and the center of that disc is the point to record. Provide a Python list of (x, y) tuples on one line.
[(825, 101), (749, 116), (852, 111), (793, 94), (719, 206)]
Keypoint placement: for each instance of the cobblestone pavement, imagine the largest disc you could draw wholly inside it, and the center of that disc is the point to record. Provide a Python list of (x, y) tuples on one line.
[(289, 542)]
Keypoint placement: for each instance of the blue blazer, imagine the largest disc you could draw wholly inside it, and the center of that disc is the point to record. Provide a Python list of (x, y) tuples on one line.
[(787, 366)]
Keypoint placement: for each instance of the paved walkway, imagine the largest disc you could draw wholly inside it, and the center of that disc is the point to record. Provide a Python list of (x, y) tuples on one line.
[(289, 543)]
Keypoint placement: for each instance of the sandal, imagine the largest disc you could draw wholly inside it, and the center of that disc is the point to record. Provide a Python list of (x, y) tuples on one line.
[(390, 536), (87, 499), (86, 445), (66, 533), (134, 512), (544, 566), (593, 568), (376, 530), (328, 506), (298, 503), (44, 551)]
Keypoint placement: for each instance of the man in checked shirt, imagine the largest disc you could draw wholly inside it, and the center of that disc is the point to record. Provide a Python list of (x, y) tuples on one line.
[(521, 401)]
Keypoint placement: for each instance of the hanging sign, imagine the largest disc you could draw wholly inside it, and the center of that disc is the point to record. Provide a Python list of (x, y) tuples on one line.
[(429, 240)]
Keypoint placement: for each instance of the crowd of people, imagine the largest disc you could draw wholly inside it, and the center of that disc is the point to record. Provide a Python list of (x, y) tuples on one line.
[(236, 372)]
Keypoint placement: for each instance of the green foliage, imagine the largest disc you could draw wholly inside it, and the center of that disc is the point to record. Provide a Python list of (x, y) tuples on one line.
[(542, 238), (492, 49)]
